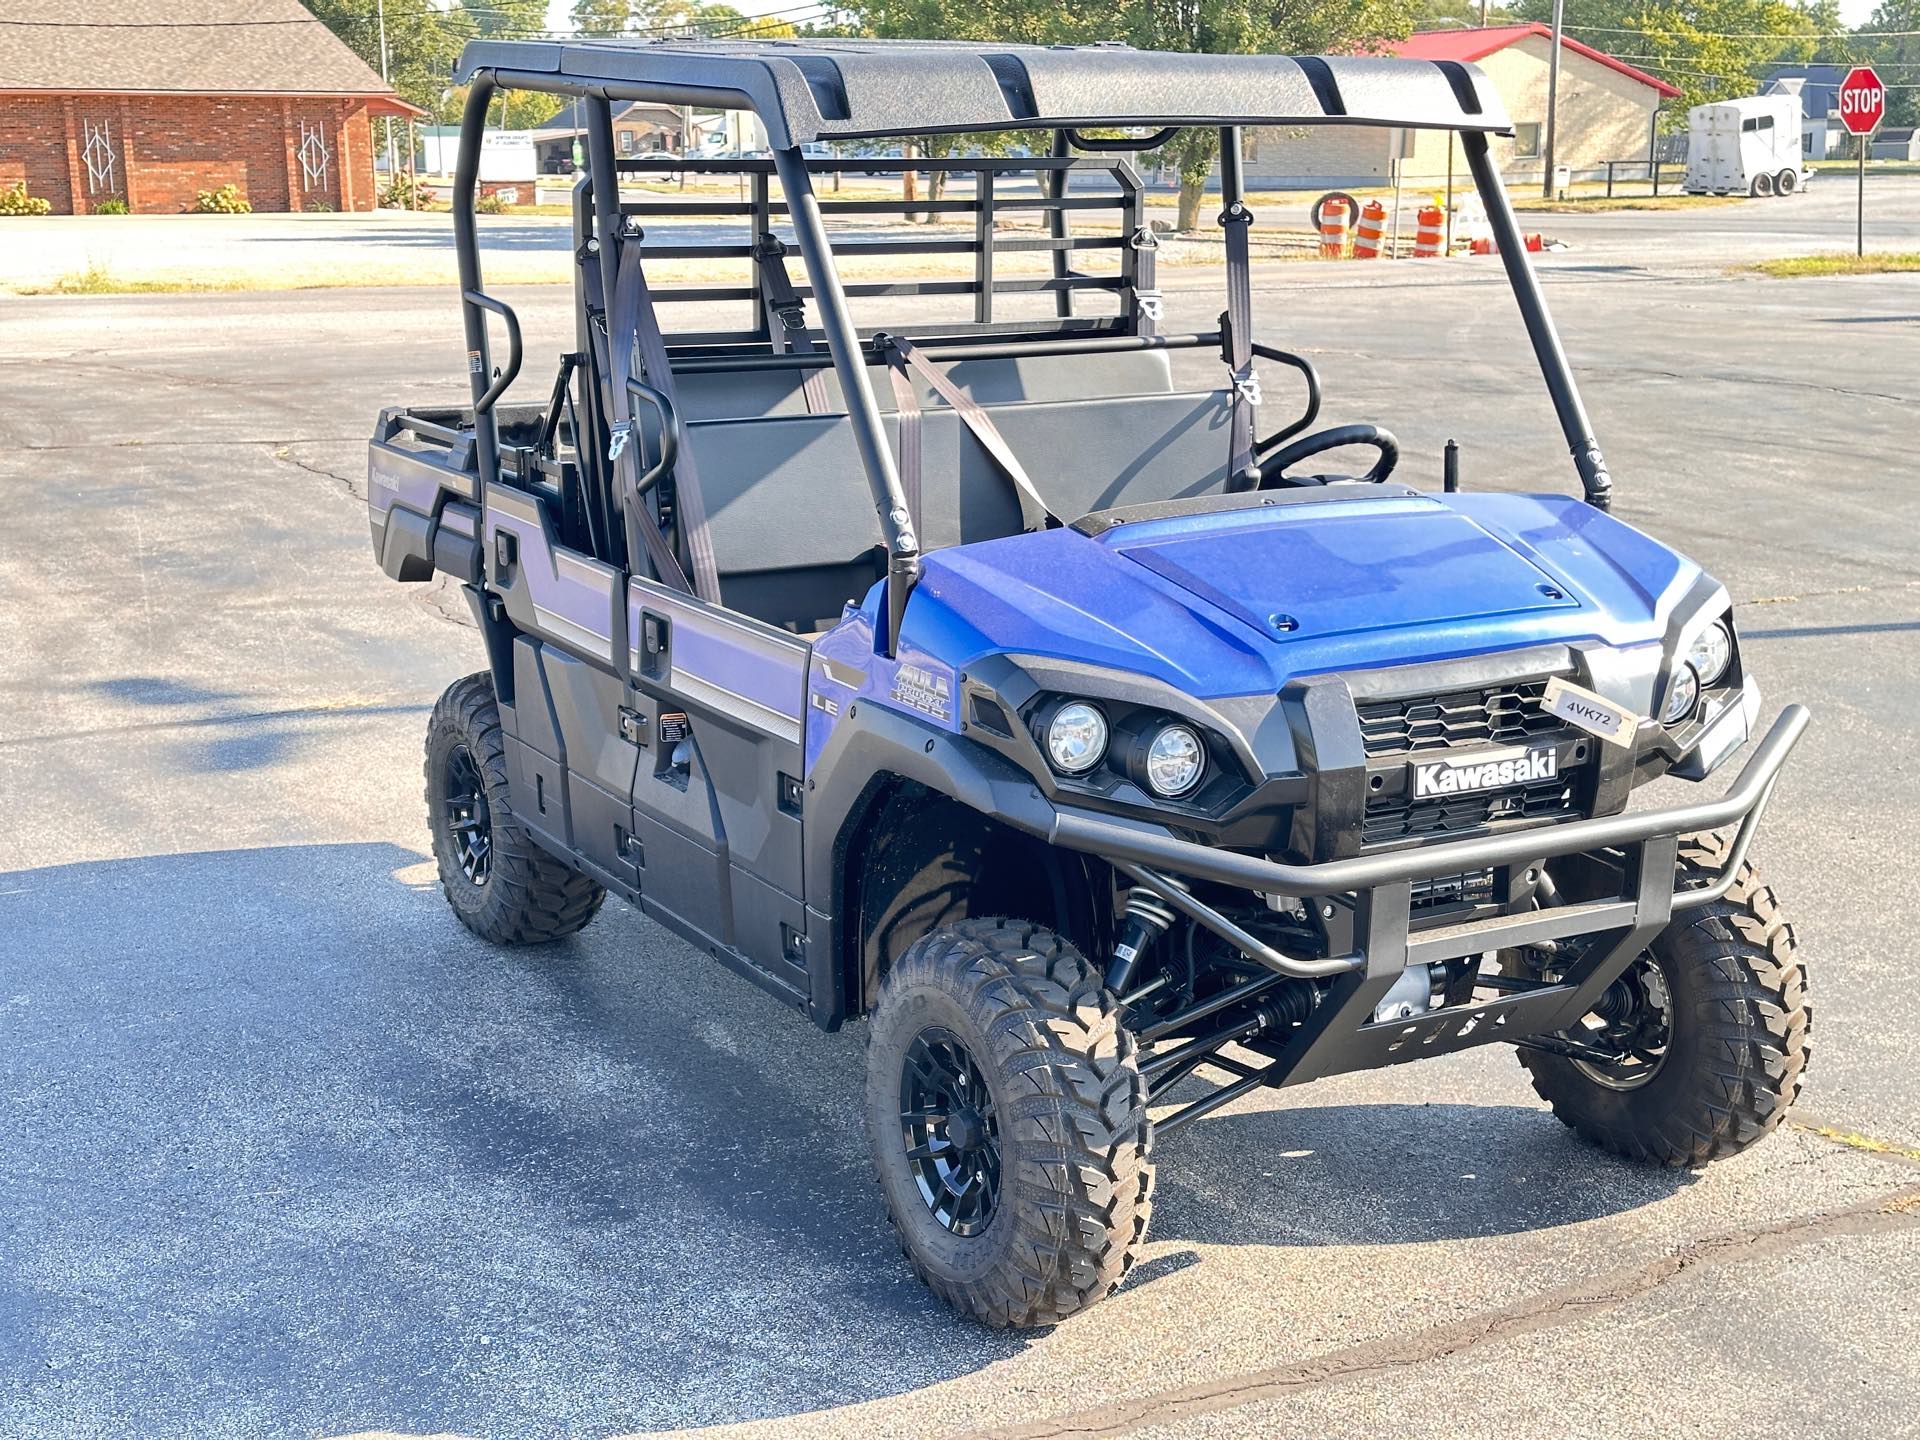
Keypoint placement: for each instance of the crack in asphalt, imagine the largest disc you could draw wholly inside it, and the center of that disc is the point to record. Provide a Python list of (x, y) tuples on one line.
[(1827, 594), (1846, 1135), (285, 453), (74, 360), (1899, 1210), (443, 599)]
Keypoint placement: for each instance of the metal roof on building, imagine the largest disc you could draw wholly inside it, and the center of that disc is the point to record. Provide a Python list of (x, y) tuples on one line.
[(1477, 44), (827, 89)]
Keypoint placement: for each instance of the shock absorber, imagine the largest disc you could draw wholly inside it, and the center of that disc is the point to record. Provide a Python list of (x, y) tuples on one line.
[(1148, 918)]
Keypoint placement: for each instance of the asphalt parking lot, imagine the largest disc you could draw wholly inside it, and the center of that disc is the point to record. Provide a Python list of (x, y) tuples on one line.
[(288, 1152)]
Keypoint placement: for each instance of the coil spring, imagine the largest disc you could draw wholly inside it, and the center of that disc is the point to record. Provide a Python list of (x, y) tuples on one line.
[(1150, 911)]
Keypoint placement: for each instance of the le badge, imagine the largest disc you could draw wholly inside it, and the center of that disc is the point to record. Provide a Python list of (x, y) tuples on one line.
[(1595, 714)]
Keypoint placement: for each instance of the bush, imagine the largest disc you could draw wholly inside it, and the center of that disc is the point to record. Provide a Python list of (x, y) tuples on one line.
[(318, 207), (489, 205), (227, 200), (14, 200), (406, 193), (112, 205)]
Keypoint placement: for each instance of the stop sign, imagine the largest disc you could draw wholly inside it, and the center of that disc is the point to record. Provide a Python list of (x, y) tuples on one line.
[(1863, 101)]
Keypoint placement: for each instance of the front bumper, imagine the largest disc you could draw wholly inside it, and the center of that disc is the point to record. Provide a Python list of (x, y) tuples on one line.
[(1340, 1034), (1148, 845)]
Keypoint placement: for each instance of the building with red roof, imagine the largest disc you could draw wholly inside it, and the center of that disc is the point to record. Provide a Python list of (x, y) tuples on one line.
[(1606, 112)]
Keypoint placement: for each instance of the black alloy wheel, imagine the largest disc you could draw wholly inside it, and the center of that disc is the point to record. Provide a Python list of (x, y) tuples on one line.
[(951, 1134), (1633, 1022), (1700, 1048), (468, 817), (1008, 1121)]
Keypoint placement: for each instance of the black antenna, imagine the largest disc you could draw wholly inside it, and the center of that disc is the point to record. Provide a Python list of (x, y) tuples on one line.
[(1450, 468)]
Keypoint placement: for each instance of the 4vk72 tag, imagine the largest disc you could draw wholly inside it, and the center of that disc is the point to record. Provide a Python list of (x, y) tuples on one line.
[(1592, 713)]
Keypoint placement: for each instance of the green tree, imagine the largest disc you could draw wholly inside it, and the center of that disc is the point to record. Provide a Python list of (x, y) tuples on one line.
[(1707, 49), (673, 17), (1208, 26), (602, 17), (1897, 56), (422, 42), (508, 19)]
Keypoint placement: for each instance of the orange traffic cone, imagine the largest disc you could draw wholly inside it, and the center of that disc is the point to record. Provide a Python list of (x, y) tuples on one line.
[(1430, 239), (1333, 228), (1366, 238)]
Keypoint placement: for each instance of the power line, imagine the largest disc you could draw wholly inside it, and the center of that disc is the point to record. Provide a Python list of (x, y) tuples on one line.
[(1782, 36)]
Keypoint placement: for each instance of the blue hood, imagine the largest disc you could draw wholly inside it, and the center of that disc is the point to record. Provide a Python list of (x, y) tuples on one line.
[(1239, 602)]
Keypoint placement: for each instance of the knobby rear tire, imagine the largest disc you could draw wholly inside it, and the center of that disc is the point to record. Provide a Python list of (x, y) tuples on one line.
[(1076, 1174), (1741, 1032), (529, 898)]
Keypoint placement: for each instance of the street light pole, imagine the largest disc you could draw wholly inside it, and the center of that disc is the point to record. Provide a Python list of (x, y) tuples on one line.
[(1553, 98), (380, 11)]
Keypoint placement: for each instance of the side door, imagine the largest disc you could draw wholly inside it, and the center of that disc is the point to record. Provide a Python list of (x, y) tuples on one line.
[(569, 763), (717, 704)]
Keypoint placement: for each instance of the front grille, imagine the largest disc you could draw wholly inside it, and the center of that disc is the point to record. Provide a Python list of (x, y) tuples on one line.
[(1399, 817), (1469, 887), (1499, 715), (1462, 720)]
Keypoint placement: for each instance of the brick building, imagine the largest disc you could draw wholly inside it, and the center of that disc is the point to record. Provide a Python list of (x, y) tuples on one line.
[(152, 101), (1606, 112)]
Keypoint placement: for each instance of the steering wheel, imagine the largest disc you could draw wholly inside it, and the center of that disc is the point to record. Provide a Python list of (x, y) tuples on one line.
[(1273, 468)]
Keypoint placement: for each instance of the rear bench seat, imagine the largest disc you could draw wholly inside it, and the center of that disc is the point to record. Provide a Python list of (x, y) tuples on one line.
[(792, 519), (748, 394)]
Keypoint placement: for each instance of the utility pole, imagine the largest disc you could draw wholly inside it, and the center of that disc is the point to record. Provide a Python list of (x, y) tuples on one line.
[(1483, 14), (380, 10), (1553, 99)]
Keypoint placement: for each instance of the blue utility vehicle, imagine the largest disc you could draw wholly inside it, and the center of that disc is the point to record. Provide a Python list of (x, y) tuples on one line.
[(971, 677)]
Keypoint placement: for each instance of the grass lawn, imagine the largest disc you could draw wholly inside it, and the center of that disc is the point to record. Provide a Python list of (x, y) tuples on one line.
[(1799, 267), (1874, 167), (99, 279), (1578, 204)]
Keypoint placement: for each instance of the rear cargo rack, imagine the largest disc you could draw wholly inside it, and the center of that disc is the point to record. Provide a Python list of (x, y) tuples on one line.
[(1053, 197)]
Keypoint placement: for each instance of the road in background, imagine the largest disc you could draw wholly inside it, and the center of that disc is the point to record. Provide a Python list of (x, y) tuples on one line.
[(288, 1151), (395, 248)]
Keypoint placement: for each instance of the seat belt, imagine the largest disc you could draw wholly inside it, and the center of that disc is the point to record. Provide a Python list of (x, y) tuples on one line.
[(1236, 347), (596, 364), (631, 320), (637, 520), (1146, 285), (1034, 514), (787, 319), (906, 405)]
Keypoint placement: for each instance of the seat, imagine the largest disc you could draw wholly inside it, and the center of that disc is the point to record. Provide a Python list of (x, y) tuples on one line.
[(793, 523), (1003, 380)]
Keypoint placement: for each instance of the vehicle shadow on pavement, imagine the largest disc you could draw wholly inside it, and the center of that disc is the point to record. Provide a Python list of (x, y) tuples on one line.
[(289, 1151), (1310, 1174)]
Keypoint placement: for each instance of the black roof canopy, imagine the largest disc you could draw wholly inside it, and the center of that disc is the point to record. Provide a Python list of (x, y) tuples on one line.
[(828, 89)]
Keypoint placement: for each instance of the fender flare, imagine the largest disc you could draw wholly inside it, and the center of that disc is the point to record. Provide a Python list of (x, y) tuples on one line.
[(871, 749)]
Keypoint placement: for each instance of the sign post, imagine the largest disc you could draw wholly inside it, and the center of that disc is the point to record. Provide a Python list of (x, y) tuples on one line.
[(1863, 105)]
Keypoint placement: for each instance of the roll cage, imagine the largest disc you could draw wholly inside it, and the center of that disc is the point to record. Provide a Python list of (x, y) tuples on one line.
[(805, 92)]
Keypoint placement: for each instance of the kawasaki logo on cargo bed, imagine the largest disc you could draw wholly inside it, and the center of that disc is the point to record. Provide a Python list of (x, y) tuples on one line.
[(1489, 770)]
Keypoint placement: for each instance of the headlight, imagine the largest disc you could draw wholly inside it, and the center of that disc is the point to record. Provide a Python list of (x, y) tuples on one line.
[(1076, 738), (1175, 762), (1684, 695), (1711, 652)]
